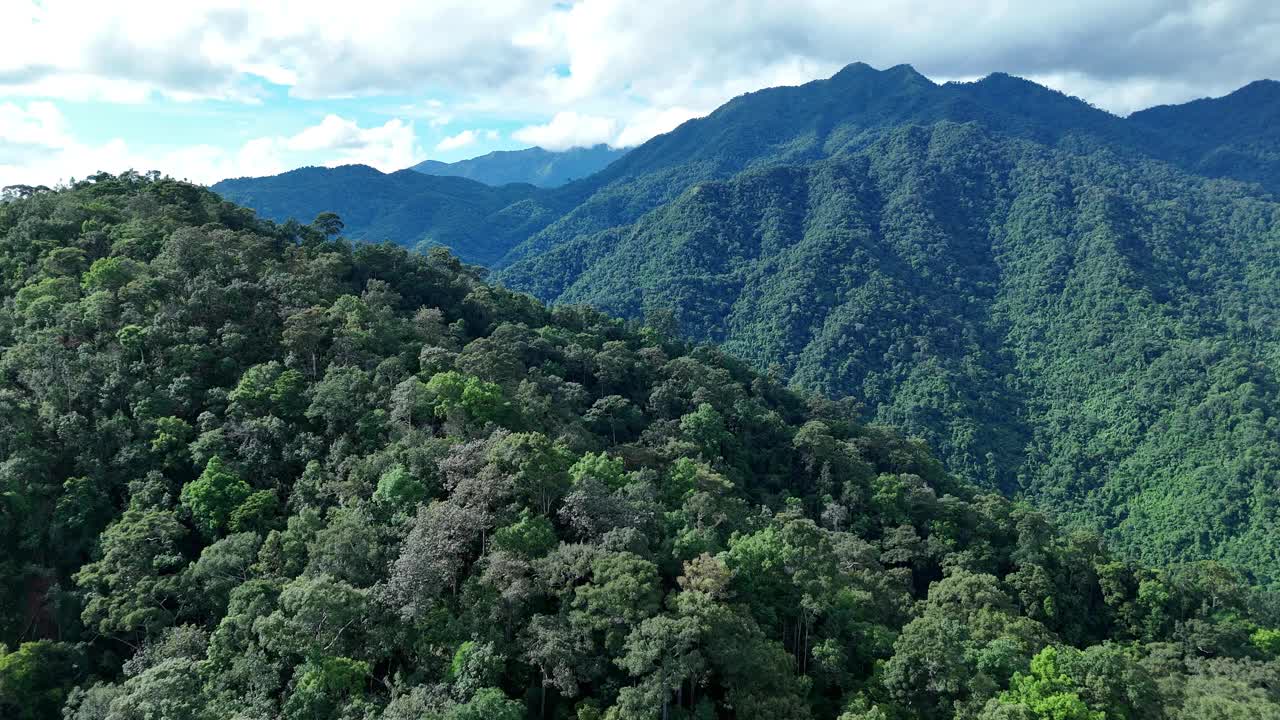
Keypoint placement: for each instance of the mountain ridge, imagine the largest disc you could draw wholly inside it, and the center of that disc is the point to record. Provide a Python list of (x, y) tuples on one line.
[(964, 258), (797, 124), (535, 166)]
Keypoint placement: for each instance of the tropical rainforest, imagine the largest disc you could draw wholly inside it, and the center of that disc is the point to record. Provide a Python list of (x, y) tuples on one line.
[(254, 470), (1070, 307)]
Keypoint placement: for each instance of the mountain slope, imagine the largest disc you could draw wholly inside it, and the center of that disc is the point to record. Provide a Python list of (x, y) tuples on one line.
[(407, 207), (850, 110), (1096, 333), (1235, 136), (250, 471), (534, 166), (1068, 304), (790, 125)]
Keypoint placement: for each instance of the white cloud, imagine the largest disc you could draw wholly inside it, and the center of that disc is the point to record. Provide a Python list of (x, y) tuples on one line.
[(569, 129), (456, 142), (391, 146), (656, 54), (39, 124), (648, 123), (612, 71), (38, 148), (433, 111)]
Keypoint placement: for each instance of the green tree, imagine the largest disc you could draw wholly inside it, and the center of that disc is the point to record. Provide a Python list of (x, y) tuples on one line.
[(35, 678), (1047, 692), (213, 497), (327, 687)]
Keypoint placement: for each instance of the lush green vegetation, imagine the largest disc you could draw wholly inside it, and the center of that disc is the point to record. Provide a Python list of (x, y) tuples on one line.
[(534, 166), (1097, 333), (253, 471), (1064, 303), (480, 223)]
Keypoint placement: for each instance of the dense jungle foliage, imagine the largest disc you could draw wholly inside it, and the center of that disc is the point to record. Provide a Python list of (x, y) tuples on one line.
[(254, 471), (1069, 306), (1100, 335)]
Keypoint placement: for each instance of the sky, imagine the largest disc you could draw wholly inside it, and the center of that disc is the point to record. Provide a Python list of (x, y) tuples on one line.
[(210, 89)]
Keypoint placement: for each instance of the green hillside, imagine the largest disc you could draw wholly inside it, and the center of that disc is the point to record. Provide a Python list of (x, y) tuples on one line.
[(1068, 305), (854, 108), (475, 220), (253, 471), (1097, 333)]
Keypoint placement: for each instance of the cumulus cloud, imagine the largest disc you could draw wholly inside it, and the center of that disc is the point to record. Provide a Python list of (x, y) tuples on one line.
[(455, 142), (39, 124), (569, 129), (36, 147), (610, 71), (391, 146), (216, 49), (662, 53), (650, 122)]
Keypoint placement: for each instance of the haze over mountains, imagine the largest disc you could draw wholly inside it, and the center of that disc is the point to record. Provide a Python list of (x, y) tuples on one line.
[(964, 258), (534, 165)]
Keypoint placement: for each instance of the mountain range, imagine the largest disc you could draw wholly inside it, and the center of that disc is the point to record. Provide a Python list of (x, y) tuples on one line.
[(1071, 306), (535, 165), (261, 469), (255, 470)]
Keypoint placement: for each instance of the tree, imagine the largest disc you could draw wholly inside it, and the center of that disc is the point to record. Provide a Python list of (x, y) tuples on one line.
[(318, 616), (537, 468), (214, 497), (530, 536), (326, 688), (664, 651), (35, 678), (600, 467), (340, 400), (399, 488), (562, 653), (134, 585), (328, 224), (623, 591), (1046, 692), (460, 399), (487, 704), (705, 428)]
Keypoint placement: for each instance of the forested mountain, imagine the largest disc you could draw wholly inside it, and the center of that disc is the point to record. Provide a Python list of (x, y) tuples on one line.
[(535, 165), (1098, 334), (254, 471), (477, 221), (1065, 303)]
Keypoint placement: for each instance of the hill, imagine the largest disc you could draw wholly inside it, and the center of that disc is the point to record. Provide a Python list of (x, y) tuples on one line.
[(1096, 334), (535, 166), (407, 207), (796, 125), (1079, 312), (251, 470), (854, 108)]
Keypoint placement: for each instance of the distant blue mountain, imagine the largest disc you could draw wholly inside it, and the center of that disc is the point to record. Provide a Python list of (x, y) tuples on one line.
[(534, 166)]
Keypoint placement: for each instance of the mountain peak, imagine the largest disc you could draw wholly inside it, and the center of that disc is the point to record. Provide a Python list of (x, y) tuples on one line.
[(863, 71), (1259, 89)]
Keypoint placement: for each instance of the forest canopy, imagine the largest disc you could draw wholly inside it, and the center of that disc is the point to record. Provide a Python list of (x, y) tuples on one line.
[(1069, 306), (251, 470)]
